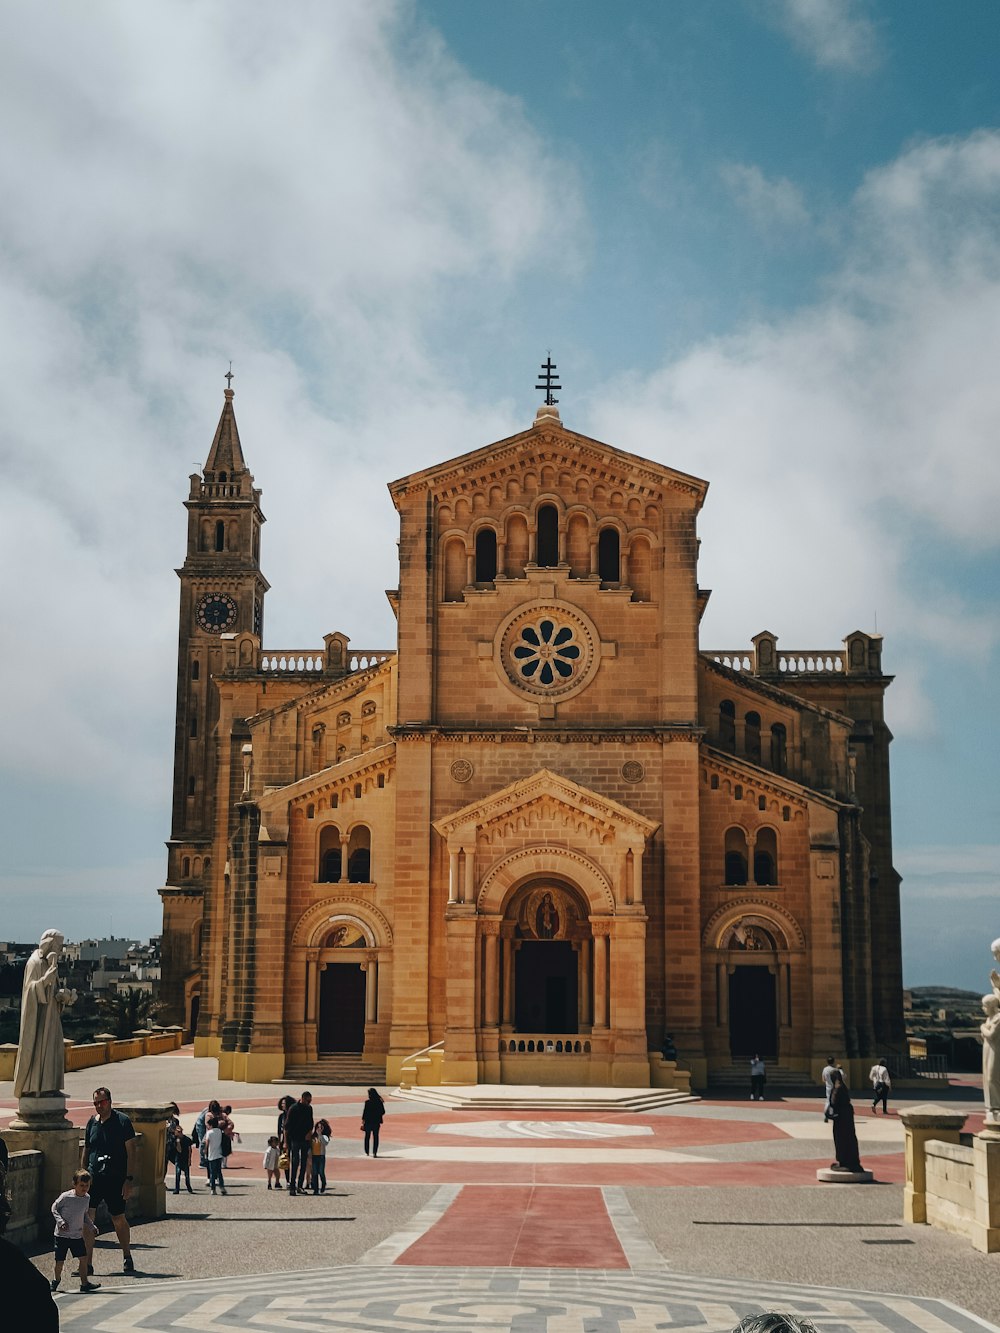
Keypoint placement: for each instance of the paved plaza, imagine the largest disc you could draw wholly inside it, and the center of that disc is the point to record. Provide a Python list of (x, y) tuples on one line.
[(542, 1222)]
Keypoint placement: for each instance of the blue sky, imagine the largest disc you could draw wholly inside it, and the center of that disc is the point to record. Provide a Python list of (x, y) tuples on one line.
[(760, 238)]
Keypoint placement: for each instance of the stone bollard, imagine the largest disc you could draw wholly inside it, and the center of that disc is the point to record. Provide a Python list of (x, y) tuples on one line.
[(923, 1123), (986, 1161), (149, 1119)]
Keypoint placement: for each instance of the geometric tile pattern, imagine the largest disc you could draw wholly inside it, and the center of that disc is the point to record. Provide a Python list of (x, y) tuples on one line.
[(541, 1129), (430, 1300)]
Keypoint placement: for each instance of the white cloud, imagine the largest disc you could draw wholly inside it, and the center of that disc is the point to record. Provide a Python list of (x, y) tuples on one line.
[(855, 437), (774, 202), (837, 34)]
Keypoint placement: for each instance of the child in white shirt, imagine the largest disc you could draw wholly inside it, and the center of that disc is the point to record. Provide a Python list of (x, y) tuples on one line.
[(70, 1212), (271, 1162)]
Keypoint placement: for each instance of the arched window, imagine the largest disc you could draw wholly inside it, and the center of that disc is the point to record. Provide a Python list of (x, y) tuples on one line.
[(195, 669), (779, 748), (220, 536), (486, 555), (727, 725), (185, 867), (609, 564), (359, 856), (329, 855), (736, 856), (517, 546), (194, 727), (765, 857), (751, 736), (547, 549), (454, 569)]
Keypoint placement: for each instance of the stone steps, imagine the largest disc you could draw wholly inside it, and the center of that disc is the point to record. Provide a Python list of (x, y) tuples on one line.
[(347, 1070), (779, 1080), (482, 1097)]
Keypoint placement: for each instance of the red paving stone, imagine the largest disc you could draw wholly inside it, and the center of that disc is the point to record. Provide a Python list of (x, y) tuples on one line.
[(513, 1226)]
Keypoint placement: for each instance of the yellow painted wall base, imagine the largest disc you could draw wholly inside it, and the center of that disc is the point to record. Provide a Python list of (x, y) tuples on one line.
[(207, 1046), (263, 1066), (226, 1061)]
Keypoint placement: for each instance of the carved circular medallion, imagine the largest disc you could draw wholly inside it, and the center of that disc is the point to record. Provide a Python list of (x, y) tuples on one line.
[(548, 651), (462, 770), (633, 771)]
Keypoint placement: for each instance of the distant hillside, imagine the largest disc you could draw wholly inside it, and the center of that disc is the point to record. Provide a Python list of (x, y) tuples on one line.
[(932, 997)]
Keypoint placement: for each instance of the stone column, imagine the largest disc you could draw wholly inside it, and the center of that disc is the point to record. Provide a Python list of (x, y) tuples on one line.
[(921, 1124), (312, 984), (507, 1011), (600, 974), (491, 934), (637, 874), (469, 878), (586, 1009), (470, 567), (453, 879), (344, 844), (149, 1120), (371, 988)]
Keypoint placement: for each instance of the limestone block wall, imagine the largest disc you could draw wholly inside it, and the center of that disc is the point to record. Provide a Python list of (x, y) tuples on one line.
[(951, 1186)]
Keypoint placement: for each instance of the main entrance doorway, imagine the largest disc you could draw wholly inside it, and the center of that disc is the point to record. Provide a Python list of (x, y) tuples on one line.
[(341, 1008), (753, 1013), (545, 987)]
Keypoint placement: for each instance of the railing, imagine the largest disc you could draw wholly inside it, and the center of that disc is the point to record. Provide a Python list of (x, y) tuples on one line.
[(221, 490), (306, 661), (917, 1066), (293, 659), (795, 662), (543, 1044)]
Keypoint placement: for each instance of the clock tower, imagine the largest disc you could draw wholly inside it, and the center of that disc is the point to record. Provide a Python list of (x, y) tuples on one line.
[(222, 594)]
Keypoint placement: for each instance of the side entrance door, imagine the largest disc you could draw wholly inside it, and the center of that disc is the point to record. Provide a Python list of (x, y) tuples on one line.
[(341, 1008), (753, 1013)]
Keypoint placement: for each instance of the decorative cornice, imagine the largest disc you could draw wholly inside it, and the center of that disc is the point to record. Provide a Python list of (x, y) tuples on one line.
[(549, 445), (345, 686), (658, 734), (541, 784), (355, 769), (742, 770)]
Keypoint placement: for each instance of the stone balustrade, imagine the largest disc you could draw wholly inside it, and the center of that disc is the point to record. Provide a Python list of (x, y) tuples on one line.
[(104, 1049), (861, 655), (313, 661), (951, 1184)]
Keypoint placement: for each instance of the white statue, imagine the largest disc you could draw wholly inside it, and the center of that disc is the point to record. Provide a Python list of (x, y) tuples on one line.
[(991, 1057), (40, 1065), (995, 975)]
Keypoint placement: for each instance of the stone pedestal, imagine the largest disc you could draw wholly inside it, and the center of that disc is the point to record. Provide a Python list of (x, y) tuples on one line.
[(41, 1126), (986, 1160), (921, 1124), (149, 1120), (832, 1175)]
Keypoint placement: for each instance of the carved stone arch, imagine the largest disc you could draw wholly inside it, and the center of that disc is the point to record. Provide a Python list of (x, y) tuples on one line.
[(645, 532), (450, 534), (787, 930), (534, 863), (325, 817), (584, 510), (483, 521), (317, 920), (549, 498)]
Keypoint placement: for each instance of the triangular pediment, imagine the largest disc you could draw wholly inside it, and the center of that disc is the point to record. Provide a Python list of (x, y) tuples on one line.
[(531, 803), (548, 444)]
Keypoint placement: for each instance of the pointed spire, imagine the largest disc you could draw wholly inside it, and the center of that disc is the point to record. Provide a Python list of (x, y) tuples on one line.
[(226, 455)]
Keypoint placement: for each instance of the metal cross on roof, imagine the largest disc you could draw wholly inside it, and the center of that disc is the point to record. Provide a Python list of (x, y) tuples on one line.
[(548, 373), (228, 376)]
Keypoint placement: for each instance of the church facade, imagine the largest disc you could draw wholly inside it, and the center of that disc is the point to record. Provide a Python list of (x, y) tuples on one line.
[(548, 828)]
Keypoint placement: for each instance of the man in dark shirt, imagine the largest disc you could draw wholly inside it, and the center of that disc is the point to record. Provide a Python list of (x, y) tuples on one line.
[(298, 1133), (109, 1156)]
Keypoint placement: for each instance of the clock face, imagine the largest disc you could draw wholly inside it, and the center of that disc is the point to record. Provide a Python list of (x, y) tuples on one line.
[(217, 612)]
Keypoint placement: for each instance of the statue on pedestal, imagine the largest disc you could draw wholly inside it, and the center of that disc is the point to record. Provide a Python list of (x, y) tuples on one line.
[(40, 1066), (991, 1057)]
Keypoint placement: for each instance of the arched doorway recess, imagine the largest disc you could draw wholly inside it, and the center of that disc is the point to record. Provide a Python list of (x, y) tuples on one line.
[(547, 982)]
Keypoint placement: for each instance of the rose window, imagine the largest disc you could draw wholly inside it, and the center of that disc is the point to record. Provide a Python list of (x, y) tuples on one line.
[(547, 651)]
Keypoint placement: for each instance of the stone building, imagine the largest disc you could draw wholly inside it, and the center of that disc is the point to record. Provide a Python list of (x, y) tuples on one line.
[(548, 827)]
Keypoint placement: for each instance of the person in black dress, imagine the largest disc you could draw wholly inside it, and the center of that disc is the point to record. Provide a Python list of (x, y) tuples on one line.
[(841, 1112), (372, 1115)]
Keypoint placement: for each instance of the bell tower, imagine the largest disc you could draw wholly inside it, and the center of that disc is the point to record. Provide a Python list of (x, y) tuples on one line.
[(222, 594)]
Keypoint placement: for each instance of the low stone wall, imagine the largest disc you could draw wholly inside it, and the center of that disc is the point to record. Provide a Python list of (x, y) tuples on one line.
[(948, 1183), (103, 1050), (24, 1183), (950, 1175)]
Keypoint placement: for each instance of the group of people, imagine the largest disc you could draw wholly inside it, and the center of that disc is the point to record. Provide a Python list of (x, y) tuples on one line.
[(299, 1147)]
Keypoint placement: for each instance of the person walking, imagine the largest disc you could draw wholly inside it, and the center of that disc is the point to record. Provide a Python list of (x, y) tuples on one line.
[(881, 1085), (829, 1069), (322, 1133), (182, 1160), (109, 1153), (70, 1212), (372, 1115), (214, 1154), (758, 1077), (298, 1138)]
